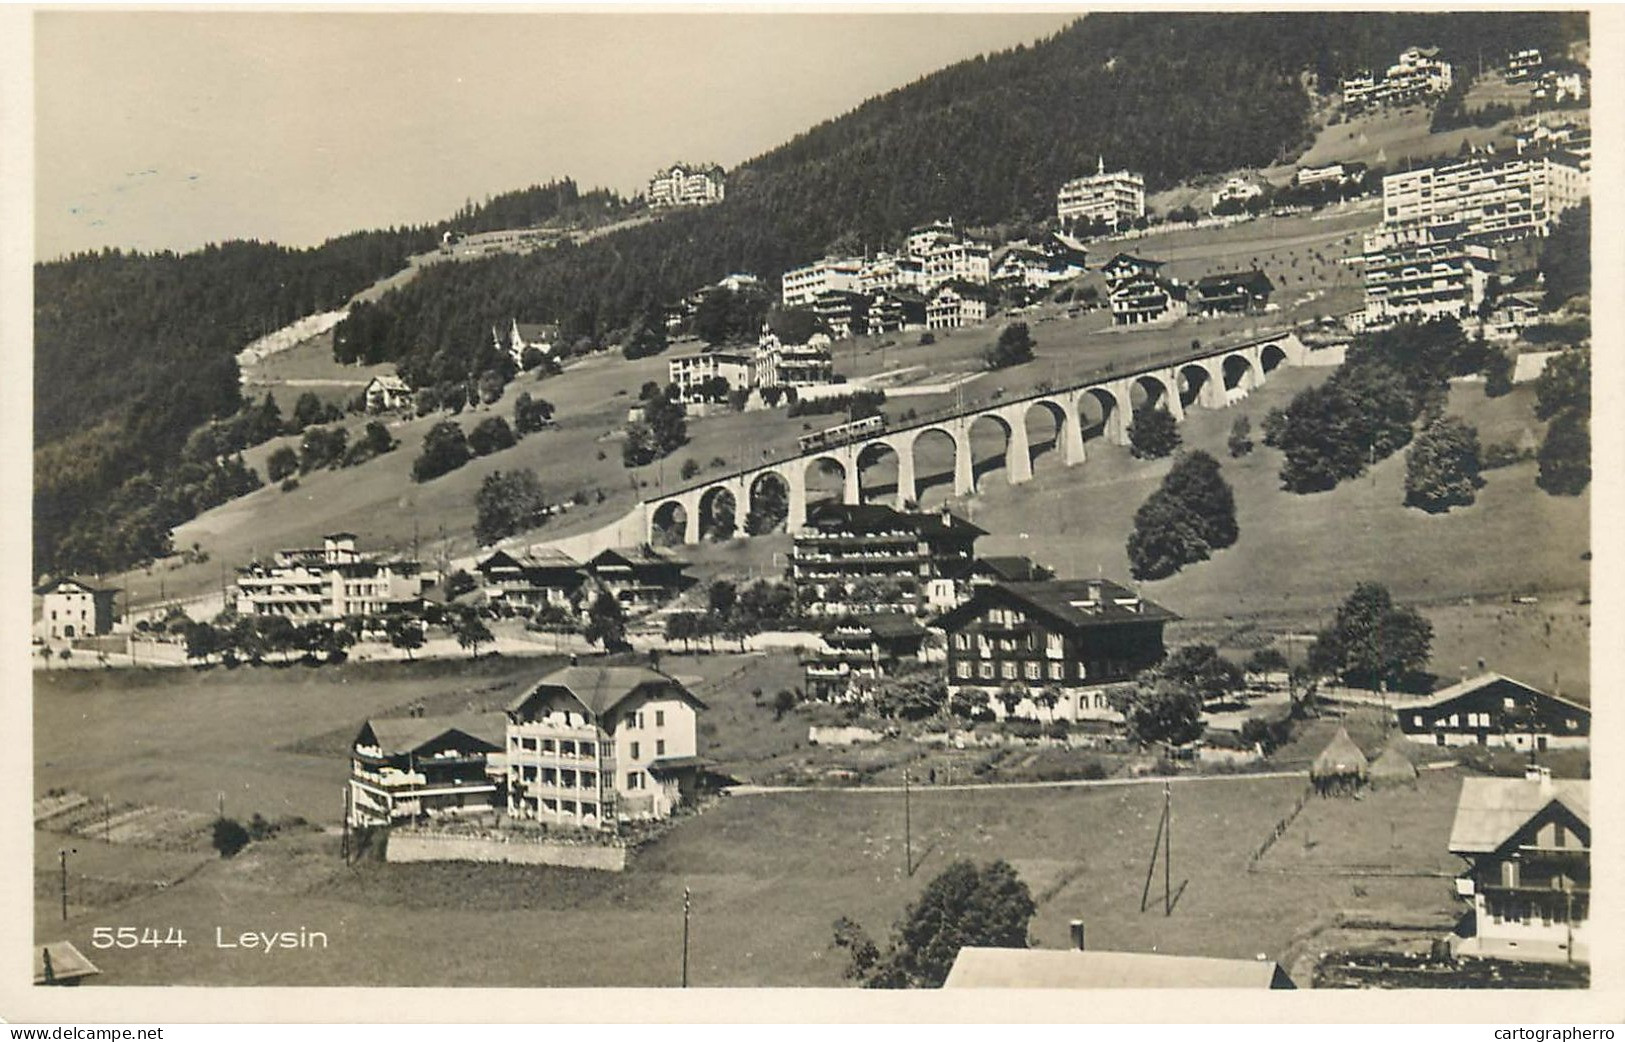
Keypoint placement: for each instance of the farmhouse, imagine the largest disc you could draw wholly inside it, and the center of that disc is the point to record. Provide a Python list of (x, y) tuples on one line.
[(1076, 968), (1527, 842), (528, 580), (333, 582), (1495, 710), (956, 303), (387, 393), (1246, 292), (860, 646), (72, 608), (875, 558), (638, 576), (417, 768), (593, 745), (1073, 636)]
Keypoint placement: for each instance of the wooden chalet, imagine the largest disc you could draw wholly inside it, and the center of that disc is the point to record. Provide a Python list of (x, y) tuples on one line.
[(1492, 709)]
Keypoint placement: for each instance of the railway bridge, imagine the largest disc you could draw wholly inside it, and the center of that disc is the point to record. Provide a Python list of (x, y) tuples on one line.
[(1211, 379)]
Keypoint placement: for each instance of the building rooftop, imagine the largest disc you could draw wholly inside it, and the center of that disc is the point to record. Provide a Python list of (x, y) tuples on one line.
[(877, 517), (59, 962), (600, 689), (1074, 603), (1490, 810), (1067, 968), (1483, 680), (397, 735)]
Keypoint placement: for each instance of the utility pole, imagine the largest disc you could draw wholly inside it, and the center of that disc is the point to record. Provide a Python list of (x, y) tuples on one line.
[(908, 827), (686, 906), (63, 854), (344, 843), (1167, 849)]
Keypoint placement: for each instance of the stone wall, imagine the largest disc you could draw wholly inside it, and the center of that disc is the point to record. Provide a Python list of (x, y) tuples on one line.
[(419, 846)]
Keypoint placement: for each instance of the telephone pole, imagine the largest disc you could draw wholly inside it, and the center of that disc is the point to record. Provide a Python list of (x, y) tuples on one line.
[(1167, 849), (686, 907), (908, 827), (63, 854)]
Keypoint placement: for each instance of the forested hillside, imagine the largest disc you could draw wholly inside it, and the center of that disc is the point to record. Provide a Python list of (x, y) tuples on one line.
[(986, 141), (132, 351)]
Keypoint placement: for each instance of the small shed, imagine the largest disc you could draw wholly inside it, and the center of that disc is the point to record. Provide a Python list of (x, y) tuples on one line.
[(1393, 768), (1341, 768)]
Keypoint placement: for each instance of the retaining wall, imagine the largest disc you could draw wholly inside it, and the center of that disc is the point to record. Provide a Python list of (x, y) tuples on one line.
[(407, 847)]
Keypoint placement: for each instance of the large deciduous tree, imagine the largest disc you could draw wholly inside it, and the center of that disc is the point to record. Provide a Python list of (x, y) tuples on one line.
[(1373, 641), (966, 905), (1442, 466)]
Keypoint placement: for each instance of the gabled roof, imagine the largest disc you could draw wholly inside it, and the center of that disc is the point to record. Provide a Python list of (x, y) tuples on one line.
[(599, 689), (389, 383), (635, 555), (1483, 680), (536, 330), (1122, 259), (1014, 569), (966, 290), (1074, 603), (1253, 281), (406, 734), (1067, 968), (74, 580), (1491, 810)]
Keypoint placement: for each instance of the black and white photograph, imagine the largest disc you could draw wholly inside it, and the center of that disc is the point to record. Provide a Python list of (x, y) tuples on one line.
[(810, 498)]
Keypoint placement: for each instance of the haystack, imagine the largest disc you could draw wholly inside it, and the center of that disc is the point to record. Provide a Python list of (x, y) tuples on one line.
[(1393, 768), (1341, 767)]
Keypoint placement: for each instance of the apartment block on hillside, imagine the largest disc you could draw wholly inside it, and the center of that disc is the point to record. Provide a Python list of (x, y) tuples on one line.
[(1424, 271)]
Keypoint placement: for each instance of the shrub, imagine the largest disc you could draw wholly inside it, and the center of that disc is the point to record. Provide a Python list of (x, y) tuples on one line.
[(229, 837), (491, 435), (445, 448), (290, 484)]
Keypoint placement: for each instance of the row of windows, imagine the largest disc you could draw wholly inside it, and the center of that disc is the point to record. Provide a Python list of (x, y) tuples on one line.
[(634, 721), (563, 779), (660, 748), (1034, 670), (563, 747)]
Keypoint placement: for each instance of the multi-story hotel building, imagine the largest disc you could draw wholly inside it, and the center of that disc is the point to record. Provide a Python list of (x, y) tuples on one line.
[(794, 365), (1070, 637), (861, 647), (872, 558), (1117, 197), (688, 186), (333, 582), (958, 259), (1495, 199), (1424, 271), (690, 373), (957, 303), (801, 286), (593, 745)]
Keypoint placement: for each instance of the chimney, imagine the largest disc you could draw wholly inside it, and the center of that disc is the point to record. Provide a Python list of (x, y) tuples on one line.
[(1077, 935)]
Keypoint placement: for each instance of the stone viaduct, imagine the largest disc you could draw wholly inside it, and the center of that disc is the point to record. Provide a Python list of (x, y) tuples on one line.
[(1212, 379)]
